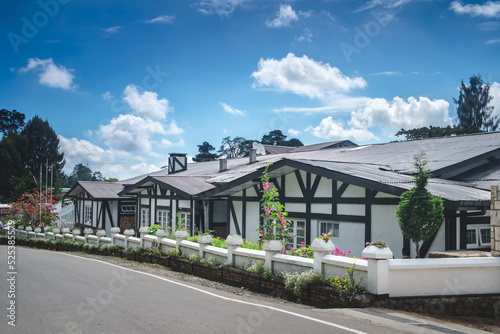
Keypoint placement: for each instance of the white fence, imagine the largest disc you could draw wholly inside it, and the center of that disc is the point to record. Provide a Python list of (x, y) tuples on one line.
[(382, 274)]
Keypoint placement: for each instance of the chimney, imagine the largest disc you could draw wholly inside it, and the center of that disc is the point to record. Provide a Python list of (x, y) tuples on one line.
[(253, 155), (222, 165), (177, 162)]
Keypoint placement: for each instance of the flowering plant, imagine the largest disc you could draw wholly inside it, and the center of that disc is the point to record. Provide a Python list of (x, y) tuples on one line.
[(274, 225), (379, 244), (326, 236), (33, 208)]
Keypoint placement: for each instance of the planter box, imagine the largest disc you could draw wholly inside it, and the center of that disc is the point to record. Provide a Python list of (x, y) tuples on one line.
[(207, 271), (115, 252), (241, 278), (274, 286), (51, 246), (144, 258), (181, 265), (62, 247), (161, 260), (130, 256)]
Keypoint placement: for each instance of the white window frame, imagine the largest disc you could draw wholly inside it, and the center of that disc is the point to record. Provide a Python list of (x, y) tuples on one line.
[(87, 214), (145, 216), (163, 218), (128, 208), (297, 225), (325, 226), (479, 241), (187, 220)]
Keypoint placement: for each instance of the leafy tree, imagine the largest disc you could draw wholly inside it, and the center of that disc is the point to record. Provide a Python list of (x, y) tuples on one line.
[(473, 109), (205, 153), (43, 146), (10, 121), (275, 137), (97, 176), (419, 213), (294, 142), (232, 148), (432, 131), (27, 152), (111, 179)]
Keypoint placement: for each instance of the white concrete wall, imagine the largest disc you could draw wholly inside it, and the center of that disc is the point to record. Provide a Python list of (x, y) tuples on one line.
[(402, 278), (385, 226), (443, 277)]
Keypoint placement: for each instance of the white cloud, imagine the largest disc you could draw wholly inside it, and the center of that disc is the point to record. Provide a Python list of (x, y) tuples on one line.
[(111, 30), (81, 150), (143, 168), (167, 143), (169, 19), (227, 108), (294, 133), (284, 17), (107, 96), (495, 92), (307, 36), (219, 7), (146, 104), (391, 116), (489, 9), (173, 129), (493, 41), (130, 133), (330, 129), (304, 76), (339, 103), (389, 73), (51, 74)]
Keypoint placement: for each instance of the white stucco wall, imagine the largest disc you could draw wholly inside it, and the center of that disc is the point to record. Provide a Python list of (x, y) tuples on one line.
[(386, 227), (252, 221)]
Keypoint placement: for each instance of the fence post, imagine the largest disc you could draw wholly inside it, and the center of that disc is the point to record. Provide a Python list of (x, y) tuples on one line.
[(76, 232), (88, 231), (144, 230), (100, 234), (128, 233), (271, 247), (233, 241), (180, 236), (55, 231), (321, 248), (114, 231), (378, 269), (204, 240)]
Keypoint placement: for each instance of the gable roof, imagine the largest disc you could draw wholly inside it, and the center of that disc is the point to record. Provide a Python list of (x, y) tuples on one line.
[(463, 168), (96, 189)]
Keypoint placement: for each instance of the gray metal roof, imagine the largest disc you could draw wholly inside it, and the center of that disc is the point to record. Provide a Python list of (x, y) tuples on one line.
[(96, 189), (383, 164)]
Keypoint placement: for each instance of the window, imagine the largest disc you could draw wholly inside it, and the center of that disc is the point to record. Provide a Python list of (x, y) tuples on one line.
[(145, 217), (128, 209), (163, 218), (329, 227), (187, 220), (478, 236), (297, 229), (87, 215)]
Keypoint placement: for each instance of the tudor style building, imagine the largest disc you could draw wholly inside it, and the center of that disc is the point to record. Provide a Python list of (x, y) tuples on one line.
[(338, 187)]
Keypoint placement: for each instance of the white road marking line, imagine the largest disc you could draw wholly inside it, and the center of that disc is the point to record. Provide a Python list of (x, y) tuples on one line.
[(227, 298)]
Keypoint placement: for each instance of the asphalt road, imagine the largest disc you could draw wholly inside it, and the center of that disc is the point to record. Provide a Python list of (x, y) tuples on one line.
[(63, 293)]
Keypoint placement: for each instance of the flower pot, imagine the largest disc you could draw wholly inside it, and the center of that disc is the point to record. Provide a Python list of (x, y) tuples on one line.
[(38, 230), (205, 239), (101, 233), (162, 233), (374, 252), (320, 245), (181, 234), (273, 245)]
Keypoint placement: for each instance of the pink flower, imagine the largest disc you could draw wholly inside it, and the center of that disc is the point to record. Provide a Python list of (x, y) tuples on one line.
[(261, 234), (268, 211), (265, 185)]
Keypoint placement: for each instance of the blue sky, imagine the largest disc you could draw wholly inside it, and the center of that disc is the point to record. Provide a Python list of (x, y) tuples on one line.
[(123, 83)]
